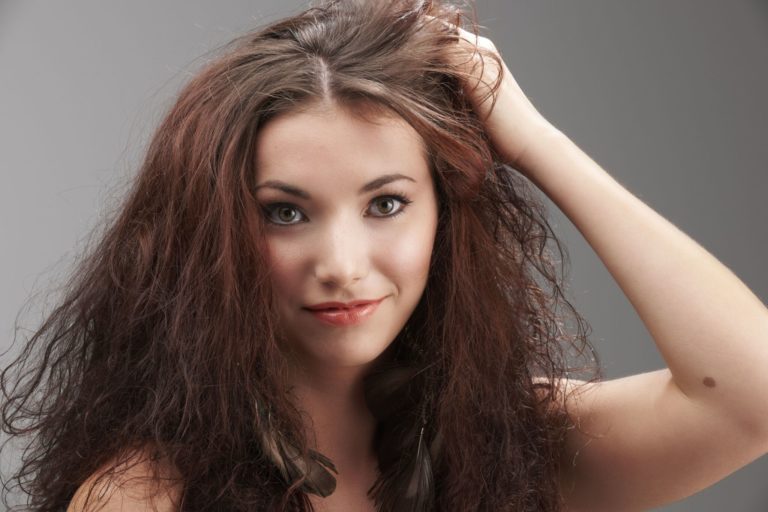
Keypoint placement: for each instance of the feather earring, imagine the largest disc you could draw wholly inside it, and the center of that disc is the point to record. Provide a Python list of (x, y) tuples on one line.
[(291, 465), (407, 483), (418, 492)]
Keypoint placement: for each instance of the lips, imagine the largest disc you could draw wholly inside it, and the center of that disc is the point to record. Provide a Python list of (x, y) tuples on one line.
[(344, 314), (341, 305)]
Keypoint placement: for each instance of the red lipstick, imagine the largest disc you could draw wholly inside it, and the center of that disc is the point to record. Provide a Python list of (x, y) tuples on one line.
[(341, 313)]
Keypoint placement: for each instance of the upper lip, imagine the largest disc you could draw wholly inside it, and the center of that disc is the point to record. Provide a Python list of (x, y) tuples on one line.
[(342, 305)]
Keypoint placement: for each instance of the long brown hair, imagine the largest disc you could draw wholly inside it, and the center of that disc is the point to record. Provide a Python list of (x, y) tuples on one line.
[(165, 336)]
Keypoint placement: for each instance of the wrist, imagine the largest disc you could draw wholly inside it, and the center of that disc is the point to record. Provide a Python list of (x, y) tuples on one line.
[(539, 137)]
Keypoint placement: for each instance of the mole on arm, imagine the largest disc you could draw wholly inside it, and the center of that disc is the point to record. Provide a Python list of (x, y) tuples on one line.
[(709, 382)]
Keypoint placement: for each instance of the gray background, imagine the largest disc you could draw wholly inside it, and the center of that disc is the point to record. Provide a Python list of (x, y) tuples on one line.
[(668, 96)]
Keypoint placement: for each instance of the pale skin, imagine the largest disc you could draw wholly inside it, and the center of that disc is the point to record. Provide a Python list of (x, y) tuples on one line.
[(350, 239), (665, 434)]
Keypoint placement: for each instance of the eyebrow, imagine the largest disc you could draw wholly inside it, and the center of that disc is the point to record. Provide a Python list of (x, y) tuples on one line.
[(368, 187)]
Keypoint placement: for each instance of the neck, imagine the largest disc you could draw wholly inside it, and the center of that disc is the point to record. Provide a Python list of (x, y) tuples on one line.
[(338, 419)]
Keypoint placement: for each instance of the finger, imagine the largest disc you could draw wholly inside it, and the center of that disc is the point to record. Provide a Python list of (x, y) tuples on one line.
[(465, 34)]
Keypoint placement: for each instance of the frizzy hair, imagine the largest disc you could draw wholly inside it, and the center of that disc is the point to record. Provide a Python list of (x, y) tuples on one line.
[(165, 339)]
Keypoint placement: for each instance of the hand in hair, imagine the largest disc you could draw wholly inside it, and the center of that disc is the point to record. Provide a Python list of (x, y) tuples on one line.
[(511, 120)]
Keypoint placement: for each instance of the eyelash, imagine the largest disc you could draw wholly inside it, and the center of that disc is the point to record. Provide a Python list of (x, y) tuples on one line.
[(397, 196)]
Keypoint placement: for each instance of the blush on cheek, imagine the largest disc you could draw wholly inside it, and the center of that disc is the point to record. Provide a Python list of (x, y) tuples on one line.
[(285, 262), (283, 254), (409, 256)]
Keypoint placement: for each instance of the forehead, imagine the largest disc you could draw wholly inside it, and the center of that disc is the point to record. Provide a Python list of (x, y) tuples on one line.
[(331, 141)]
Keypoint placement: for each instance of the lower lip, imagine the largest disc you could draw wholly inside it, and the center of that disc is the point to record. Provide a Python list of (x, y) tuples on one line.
[(349, 316)]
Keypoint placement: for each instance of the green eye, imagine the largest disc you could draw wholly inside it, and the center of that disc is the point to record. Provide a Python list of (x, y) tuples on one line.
[(385, 207), (282, 214), (388, 205)]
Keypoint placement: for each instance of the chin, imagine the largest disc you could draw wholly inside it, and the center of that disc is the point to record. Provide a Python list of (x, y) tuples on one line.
[(345, 353), (352, 359)]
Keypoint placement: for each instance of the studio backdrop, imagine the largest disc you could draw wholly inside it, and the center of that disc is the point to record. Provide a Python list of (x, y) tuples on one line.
[(668, 96)]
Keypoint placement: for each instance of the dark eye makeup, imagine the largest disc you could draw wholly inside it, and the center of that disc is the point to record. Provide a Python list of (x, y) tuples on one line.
[(287, 214)]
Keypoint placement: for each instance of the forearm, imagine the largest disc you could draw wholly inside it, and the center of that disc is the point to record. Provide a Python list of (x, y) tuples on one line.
[(711, 330)]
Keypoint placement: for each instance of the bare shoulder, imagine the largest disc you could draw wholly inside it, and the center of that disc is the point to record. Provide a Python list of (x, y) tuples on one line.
[(639, 443), (138, 484)]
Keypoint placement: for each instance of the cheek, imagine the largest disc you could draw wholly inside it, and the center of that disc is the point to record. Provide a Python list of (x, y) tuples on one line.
[(285, 263), (407, 256)]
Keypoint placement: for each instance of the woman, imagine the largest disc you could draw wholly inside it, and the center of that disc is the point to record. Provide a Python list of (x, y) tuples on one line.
[(211, 355)]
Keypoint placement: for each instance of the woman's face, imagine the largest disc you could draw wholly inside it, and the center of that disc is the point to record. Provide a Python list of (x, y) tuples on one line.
[(351, 215)]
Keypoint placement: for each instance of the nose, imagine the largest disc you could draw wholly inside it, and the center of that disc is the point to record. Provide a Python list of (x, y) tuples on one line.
[(341, 255)]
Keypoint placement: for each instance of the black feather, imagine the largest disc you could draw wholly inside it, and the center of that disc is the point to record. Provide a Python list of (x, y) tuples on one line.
[(406, 484)]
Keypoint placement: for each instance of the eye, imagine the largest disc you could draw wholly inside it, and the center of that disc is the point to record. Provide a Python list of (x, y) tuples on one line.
[(390, 205), (282, 214), (286, 214)]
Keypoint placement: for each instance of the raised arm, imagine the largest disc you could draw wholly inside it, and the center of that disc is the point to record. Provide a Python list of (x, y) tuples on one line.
[(669, 433)]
